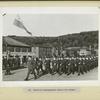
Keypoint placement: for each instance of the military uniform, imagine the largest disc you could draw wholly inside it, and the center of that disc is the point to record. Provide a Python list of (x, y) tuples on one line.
[(9, 65), (31, 67), (59, 65), (6, 66), (80, 67), (54, 66), (64, 67), (40, 65)]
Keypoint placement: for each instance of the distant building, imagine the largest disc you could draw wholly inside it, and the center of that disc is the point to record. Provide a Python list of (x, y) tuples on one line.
[(77, 51), (41, 47), (17, 48), (43, 50), (84, 51)]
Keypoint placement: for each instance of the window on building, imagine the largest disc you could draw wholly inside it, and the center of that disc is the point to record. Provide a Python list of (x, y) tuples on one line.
[(17, 49), (29, 49), (24, 49), (11, 49), (4, 48)]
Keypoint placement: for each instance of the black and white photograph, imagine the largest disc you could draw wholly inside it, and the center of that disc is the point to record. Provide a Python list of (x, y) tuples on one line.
[(50, 46)]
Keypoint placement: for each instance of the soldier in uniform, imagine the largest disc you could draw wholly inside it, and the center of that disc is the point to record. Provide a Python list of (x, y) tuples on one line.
[(71, 66), (19, 62), (16, 62), (80, 66), (31, 63), (9, 65), (40, 65), (59, 64), (68, 65), (88, 63), (84, 65), (47, 66), (54, 66), (36, 60), (5, 63), (76, 64), (64, 69), (13, 60), (96, 61)]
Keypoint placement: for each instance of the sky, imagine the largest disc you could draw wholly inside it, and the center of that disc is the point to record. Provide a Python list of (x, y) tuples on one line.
[(50, 24)]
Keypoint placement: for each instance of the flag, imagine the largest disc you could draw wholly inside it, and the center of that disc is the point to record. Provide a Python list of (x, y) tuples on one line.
[(17, 22)]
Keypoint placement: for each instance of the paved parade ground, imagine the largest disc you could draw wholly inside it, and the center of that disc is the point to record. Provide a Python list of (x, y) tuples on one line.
[(20, 74)]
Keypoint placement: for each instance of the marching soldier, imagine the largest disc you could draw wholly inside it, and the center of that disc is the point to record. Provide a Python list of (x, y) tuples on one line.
[(88, 63), (40, 65), (69, 64), (64, 69), (80, 66), (66, 65), (31, 67), (36, 60), (76, 64), (54, 66), (47, 66), (84, 65), (59, 69), (71, 68)]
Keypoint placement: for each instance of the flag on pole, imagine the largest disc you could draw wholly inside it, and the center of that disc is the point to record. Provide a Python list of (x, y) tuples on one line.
[(17, 22)]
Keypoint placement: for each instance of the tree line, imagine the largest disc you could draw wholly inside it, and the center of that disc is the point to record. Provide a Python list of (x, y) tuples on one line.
[(89, 38)]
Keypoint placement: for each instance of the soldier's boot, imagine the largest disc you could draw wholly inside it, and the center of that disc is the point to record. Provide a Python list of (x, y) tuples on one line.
[(35, 77), (6, 73), (38, 75), (26, 79), (65, 71), (9, 73), (78, 74), (27, 75), (42, 71), (73, 71), (85, 70), (52, 73), (82, 72), (69, 71), (32, 72), (60, 73)]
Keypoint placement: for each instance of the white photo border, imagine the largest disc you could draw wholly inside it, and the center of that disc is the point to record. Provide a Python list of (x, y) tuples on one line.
[(38, 10)]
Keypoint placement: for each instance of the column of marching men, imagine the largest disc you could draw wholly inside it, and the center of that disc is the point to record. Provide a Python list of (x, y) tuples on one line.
[(42, 66), (69, 65)]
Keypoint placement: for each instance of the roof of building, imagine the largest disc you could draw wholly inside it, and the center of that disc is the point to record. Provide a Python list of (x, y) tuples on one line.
[(12, 42)]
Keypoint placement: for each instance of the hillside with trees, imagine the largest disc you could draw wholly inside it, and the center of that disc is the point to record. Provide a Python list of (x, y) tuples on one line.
[(89, 38)]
